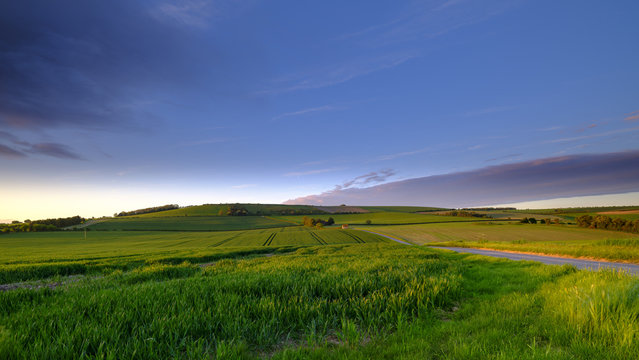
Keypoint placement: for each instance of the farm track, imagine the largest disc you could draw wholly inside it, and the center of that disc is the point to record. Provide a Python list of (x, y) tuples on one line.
[(319, 239), (355, 237), (269, 240), (549, 260), (227, 239)]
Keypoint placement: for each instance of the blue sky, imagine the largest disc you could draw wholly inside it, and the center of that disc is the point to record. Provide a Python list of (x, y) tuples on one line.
[(116, 105)]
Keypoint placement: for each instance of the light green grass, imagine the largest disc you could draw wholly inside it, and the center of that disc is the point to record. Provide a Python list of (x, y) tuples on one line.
[(543, 239), (29, 256), (189, 223), (358, 301)]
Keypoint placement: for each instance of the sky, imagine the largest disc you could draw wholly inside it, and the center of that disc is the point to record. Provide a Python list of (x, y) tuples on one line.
[(118, 105)]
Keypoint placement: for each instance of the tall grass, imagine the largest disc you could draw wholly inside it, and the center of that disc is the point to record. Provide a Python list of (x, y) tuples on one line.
[(174, 311)]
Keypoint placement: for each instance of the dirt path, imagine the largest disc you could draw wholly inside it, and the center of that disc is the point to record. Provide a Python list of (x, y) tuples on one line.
[(550, 260)]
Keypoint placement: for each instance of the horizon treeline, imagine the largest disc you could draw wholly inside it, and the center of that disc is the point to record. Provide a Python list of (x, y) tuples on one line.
[(41, 225), (148, 210), (608, 223)]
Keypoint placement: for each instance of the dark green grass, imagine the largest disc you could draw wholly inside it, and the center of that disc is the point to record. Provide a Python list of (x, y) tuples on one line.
[(253, 209), (32, 256), (404, 209), (188, 223), (381, 218)]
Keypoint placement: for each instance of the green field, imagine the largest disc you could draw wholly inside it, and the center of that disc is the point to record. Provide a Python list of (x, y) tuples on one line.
[(188, 223), (293, 292), (28, 256), (253, 209), (378, 300), (405, 209), (544, 239), (380, 218)]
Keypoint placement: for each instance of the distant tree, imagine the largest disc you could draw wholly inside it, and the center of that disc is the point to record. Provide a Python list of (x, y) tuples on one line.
[(319, 225), (542, 221), (368, 222), (532, 220), (330, 221), (524, 221)]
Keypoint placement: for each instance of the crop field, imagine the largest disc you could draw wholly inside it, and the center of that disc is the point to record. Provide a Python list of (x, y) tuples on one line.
[(379, 218), (189, 223), (214, 210), (357, 300), (293, 292), (28, 256), (544, 239)]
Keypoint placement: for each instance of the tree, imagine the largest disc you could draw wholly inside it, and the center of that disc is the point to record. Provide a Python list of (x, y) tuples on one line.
[(330, 221), (368, 222), (532, 220)]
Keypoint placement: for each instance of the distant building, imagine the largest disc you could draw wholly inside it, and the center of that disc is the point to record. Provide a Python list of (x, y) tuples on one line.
[(345, 226)]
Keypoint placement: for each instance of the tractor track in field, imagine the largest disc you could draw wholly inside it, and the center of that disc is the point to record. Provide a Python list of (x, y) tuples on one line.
[(269, 240), (226, 240), (319, 239), (355, 237)]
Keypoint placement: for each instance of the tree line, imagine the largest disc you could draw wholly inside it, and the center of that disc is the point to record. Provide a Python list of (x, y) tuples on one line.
[(465, 213), (148, 210), (41, 225), (608, 223), (318, 223)]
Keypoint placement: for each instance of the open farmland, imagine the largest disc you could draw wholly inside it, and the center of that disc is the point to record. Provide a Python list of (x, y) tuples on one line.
[(544, 239), (28, 256), (252, 209), (294, 292), (189, 223), (380, 218), (371, 300)]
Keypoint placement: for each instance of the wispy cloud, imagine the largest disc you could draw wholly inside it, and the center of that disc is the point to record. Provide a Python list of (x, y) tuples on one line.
[(59, 151), (585, 137), (194, 13), (202, 142), (339, 73), (509, 156), (633, 116), (9, 152), (307, 111), (402, 154), (551, 128), (312, 172), (422, 20), (373, 177), (489, 110)]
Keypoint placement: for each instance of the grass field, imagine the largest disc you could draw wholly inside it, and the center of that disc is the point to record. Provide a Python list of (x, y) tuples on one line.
[(294, 292), (29, 256), (380, 218), (379, 300), (188, 223), (543, 239), (253, 209)]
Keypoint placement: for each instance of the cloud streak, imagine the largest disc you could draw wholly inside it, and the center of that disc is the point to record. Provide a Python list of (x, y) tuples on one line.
[(548, 178), (307, 111), (312, 172), (59, 151), (6, 151)]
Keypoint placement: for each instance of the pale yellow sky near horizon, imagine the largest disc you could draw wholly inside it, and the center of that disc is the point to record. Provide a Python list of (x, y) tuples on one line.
[(78, 204)]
